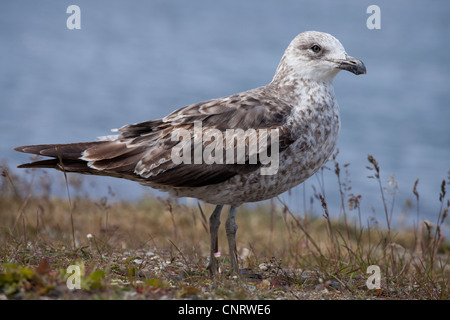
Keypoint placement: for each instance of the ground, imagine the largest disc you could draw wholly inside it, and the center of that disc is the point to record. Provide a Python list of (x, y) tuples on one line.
[(157, 248)]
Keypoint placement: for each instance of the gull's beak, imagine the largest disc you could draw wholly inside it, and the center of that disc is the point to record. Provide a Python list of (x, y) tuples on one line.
[(353, 65)]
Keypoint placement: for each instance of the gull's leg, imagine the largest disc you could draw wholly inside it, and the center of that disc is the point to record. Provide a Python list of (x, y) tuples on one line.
[(231, 228), (214, 223)]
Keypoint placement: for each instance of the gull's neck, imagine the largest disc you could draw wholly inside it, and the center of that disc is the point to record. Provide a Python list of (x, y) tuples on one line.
[(289, 86)]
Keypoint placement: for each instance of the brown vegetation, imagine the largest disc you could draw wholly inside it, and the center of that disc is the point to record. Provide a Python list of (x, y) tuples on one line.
[(157, 249)]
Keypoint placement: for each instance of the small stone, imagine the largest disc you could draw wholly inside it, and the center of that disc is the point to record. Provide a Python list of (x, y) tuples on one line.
[(263, 267)]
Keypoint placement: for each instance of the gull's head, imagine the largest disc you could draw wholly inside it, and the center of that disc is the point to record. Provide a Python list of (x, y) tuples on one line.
[(317, 56)]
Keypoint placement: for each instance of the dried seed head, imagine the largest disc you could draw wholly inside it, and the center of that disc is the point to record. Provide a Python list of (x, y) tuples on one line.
[(415, 189)]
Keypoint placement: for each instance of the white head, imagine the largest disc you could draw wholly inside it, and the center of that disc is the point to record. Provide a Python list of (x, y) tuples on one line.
[(317, 56)]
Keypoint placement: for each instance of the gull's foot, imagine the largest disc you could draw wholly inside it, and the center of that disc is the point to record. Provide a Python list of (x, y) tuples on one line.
[(213, 267)]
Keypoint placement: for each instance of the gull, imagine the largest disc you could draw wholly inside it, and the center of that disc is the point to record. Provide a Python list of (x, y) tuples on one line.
[(298, 106)]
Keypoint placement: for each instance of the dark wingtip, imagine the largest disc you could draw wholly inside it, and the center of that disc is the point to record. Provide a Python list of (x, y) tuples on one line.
[(35, 149), (24, 166), (49, 163), (20, 149)]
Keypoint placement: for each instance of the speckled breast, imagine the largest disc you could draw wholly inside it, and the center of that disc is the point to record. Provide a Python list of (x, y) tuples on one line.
[(316, 125)]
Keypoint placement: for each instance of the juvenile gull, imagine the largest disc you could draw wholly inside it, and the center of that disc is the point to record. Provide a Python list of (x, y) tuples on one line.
[(299, 103)]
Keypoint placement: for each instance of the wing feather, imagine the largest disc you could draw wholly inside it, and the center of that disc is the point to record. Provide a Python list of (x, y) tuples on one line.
[(143, 151)]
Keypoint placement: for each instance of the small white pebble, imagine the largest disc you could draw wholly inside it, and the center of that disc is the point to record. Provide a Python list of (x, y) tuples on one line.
[(245, 253), (263, 266)]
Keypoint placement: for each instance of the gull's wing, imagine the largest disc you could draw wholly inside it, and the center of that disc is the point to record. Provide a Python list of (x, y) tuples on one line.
[(142, 151)]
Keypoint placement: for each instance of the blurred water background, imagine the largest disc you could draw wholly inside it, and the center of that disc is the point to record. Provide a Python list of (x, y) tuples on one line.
[(139, 60)]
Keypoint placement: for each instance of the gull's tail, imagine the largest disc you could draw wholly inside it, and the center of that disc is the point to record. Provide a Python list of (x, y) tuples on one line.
[(65, 157)]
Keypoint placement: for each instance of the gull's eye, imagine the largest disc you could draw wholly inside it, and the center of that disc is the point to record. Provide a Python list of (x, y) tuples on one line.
[(315, 48)]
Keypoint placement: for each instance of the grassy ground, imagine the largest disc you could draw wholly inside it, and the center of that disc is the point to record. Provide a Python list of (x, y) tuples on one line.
[(158, 249)]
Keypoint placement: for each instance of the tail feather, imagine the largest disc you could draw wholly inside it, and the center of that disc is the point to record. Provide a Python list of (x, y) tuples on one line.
[(72, 151), (99, 158), (65, 165), (51, 163), (66, 157)]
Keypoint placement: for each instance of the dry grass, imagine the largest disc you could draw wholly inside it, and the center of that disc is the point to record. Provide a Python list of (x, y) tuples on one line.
[(158, 248)]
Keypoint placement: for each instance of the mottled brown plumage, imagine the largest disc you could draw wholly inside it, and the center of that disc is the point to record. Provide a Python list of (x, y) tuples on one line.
[(299, 103)]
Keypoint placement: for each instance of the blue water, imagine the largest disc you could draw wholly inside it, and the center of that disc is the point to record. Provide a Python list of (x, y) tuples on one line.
[(138, 60)]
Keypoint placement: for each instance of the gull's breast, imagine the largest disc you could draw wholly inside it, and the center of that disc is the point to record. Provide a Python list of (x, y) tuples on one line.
[(315, 123)]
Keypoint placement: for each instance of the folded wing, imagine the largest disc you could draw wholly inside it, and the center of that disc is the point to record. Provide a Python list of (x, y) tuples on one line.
[(143, 151)]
